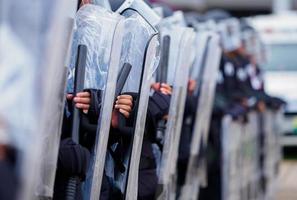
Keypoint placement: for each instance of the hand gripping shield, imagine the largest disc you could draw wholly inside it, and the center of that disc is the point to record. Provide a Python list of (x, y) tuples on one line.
[(39, 41), (181, 39), (203, 114)]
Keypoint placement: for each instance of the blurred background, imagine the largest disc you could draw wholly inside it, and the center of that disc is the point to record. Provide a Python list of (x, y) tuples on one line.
[(237, 7)]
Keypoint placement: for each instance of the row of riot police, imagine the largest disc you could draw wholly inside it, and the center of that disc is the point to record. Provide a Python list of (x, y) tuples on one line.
[(242, 150), (120, 99)]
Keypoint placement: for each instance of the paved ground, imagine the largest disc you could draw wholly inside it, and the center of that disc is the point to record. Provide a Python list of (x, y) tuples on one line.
[(288, 181)]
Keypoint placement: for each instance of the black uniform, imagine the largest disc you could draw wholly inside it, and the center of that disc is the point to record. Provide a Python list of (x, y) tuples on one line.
[(9, 184)]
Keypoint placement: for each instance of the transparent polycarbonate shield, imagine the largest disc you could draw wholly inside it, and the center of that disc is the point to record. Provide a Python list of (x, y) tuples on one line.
[(103, 3), (101, 31), (133, 51), (93, 25), (188, 59), (151, 61), (27, 69), (177, 19), (136, 36), (196, 72), (57, 46), (229, 30), (209, 25), (141, 50), (231, 144), (29, 37), (159, 10), (250, 151), (18, 75), (184, 38), (213, 61), (271, 150), (202, 119), (278, 120), (166, 29)]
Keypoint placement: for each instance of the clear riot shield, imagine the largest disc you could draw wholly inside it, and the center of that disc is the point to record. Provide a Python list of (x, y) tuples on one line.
[(196, 74), (197, 71), (271, 151), (142, 51), (33, 45), (51, 118), (231, 145), (139, 50), (103, 3), (179, 63), (150, 64), (190, 190), (100, 31), (176, 19), (251, 154)]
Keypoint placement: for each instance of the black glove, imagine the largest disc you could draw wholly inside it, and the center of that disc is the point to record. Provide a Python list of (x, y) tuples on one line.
[(73, 159)]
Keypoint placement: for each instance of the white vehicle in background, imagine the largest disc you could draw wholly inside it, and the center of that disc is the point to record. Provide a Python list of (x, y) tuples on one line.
[(279, 34)]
